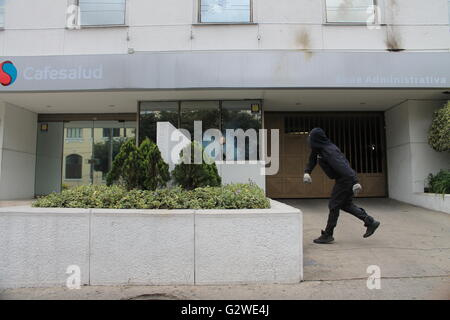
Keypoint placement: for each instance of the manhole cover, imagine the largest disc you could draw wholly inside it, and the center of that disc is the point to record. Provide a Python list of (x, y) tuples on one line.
[(154, 296)]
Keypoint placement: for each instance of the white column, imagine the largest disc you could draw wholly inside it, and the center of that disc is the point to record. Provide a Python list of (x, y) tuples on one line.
[(18, 129), (410, 159)]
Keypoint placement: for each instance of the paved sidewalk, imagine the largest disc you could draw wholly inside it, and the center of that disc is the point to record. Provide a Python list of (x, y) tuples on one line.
[(412, 248), (15, 203)]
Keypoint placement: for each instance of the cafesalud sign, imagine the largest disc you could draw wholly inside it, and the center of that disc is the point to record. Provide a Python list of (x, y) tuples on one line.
[(240, 69), (77, 73)]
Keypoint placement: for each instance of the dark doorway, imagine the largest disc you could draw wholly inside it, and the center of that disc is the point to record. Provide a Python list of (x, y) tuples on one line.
[(360, 136)]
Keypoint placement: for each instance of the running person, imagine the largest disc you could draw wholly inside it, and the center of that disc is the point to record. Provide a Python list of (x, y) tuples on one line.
[(336, 167)]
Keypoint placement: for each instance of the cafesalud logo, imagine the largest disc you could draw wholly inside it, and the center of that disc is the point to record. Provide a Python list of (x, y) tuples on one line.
[(8, 73)]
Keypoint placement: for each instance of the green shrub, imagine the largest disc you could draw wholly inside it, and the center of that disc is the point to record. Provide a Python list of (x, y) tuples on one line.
[(439, 135), (238, 196), (191, 175), (139, 167), (439, 183)]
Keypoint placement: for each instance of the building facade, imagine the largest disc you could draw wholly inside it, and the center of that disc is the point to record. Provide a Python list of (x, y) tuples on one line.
[(80, 77)]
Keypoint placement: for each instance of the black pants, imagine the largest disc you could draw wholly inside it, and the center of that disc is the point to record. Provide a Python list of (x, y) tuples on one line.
[(342, 199)]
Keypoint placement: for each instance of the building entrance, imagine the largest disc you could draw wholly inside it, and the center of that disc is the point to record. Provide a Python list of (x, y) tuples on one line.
[(359, 135)]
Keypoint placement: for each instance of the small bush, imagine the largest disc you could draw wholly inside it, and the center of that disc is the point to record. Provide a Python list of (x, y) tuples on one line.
[(439, 183), (139, 167), (191, 175), (238, 196), (439, 135)]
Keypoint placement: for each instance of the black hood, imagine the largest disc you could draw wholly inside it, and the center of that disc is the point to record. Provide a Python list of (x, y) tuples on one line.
[(318, 139)]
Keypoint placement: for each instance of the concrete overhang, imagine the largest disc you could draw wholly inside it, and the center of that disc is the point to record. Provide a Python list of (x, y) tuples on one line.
[(285, 80), (274, 99)]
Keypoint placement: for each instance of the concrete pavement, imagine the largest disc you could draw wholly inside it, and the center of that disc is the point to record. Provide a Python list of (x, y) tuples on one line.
[(412, 249)]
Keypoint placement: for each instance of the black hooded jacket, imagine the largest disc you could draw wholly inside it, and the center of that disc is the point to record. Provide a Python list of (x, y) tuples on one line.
[(330, 158)]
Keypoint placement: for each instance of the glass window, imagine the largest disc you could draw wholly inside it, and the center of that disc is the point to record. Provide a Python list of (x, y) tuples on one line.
[(225, 11), (2, 13), (207, 112), (111, 132), (153, 112), (234, 115), (102, 12), (74, 133), (351, 11), (108, 139), (243, 115), (74, 163)]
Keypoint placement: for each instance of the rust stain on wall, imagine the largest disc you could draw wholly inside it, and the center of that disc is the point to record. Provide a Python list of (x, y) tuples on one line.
[(303, 41), (393, 37)]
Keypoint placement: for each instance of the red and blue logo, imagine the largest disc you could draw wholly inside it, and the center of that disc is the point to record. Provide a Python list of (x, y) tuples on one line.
[(8, 73)]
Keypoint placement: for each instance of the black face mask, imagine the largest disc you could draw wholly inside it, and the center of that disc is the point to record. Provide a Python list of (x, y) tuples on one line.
[(317, 139)]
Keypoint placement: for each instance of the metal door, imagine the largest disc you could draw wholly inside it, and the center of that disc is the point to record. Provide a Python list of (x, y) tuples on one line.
[(360, 136)]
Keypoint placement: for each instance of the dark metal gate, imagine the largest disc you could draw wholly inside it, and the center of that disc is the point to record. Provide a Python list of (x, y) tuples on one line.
[(360, 136)]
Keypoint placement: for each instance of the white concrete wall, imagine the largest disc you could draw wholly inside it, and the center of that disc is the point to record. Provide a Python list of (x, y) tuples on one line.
[(38, 28), (139, 248), (424, 159), (243, 248), (18, 152), (37, 246), (150, 247), (410, 158)]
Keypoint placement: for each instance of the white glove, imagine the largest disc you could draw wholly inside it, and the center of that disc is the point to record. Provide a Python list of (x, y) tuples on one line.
[(307, 178), (357, 188)]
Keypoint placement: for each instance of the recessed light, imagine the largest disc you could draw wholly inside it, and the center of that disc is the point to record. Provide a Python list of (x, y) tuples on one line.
[(111, 106), (49, 106)]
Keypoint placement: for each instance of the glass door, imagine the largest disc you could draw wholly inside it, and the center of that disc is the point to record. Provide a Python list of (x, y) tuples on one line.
[(77, 154), (108, 137), (89, 148)]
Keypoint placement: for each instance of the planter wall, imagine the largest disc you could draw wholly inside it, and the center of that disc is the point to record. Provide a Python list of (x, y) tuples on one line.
[(142, 247), (433, 201), (37, 246), (150, 247)]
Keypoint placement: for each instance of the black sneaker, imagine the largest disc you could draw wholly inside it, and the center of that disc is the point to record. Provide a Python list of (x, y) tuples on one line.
[(324, 238), (371, 229)]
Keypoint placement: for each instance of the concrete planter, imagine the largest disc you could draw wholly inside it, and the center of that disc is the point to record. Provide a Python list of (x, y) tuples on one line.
[(433, 201), (150, 247)]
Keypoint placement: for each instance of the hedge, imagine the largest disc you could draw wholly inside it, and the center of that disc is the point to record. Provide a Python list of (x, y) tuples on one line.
[(236, 196), (439, 135)]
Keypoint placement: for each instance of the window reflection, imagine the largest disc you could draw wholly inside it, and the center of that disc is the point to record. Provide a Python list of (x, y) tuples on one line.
[(207, 112), (2, 13), (90, 148), (102, 12), (219, 115), (239, 115), (154, 112), (74, 164), (353, 11), (225, 11)]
